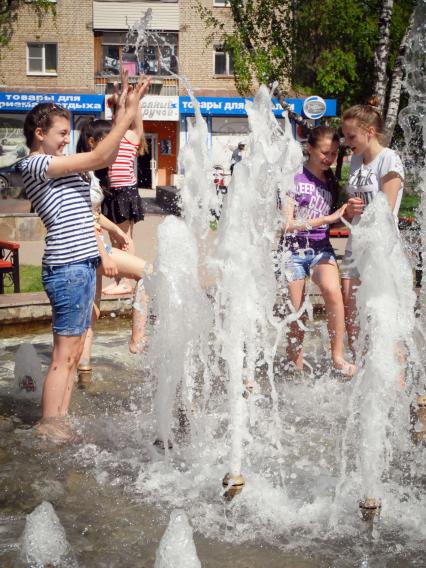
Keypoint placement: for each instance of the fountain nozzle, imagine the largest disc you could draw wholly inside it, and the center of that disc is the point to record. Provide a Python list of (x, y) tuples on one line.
[(370, 508), (418, 415), (84, 373), (233, 484)]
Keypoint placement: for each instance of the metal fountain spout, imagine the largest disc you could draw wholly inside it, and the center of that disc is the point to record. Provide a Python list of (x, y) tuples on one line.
[(370, 509), (233, 485)]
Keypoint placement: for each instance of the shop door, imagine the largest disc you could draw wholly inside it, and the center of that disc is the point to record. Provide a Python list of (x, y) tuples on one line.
[(147, 164)]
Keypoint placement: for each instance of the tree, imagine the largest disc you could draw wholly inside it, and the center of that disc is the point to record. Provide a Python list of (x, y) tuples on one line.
[(9, 10), (381, 55), (260, 41)]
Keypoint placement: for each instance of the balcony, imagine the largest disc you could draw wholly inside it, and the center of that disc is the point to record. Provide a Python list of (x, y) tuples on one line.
[(158, 59)]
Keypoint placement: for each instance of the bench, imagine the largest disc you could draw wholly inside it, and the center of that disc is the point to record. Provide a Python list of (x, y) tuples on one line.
[(9, 264)]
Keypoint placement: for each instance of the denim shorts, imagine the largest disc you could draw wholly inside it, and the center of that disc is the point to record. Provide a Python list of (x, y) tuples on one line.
[(71, 291), (299, 265)]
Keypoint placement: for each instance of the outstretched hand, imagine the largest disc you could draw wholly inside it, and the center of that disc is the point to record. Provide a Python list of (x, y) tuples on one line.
[(337, 215), (117, 101), (136, 92)]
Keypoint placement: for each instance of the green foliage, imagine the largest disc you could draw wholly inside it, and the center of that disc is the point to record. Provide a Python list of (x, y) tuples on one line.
[(9, 12), (30, 279), (260, 42), (325, 46), (409, 205), (335, 41)]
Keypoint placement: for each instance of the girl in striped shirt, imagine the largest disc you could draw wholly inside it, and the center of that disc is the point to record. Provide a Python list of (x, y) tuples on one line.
[(62, 200), (122, 204)]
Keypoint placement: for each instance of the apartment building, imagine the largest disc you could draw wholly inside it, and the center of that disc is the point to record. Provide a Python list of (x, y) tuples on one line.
[(75, 56), (53, 61)]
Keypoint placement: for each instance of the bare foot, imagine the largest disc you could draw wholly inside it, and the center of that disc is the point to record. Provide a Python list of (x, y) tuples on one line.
[(54, 430), (344, 368), (115, 289), (136, 347)]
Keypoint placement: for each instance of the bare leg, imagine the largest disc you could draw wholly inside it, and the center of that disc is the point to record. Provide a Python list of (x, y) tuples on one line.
[(71, 377), (58, 387), (296, 292), (349, 286), (326, 277), (65, 356), (134, 267), (139, 319), (87, 349), (121, 285)]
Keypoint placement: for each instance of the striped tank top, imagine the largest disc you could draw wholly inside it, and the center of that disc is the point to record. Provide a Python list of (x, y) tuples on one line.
[(122, 171)]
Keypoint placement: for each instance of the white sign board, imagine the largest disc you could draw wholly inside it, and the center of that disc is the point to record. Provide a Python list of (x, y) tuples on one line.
[(314, 107), (154, 107)]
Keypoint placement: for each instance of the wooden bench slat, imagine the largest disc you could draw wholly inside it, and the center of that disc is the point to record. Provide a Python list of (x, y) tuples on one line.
[(9, 245)]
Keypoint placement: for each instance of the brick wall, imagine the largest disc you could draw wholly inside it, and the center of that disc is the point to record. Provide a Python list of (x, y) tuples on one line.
[(196, 59), (71, 29)]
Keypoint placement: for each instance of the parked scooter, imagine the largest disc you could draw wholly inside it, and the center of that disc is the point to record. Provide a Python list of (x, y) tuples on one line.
[(221, 190)]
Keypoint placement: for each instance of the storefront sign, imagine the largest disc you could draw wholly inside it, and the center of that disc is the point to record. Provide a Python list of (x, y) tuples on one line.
[(213, 106), (154, 107), (160, 108), (74, 103), (314, 107)]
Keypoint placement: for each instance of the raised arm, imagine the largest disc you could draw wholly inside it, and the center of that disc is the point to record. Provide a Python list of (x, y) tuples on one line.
[(106, 151)]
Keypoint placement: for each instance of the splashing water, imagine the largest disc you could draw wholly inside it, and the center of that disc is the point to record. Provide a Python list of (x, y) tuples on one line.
[(246, 288), (28, 374), (183, 314), (44, 542), (177, 546), (285, 438), (385, 301)]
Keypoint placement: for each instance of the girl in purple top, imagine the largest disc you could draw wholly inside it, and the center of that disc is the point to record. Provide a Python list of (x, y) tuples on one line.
[(310, 209)]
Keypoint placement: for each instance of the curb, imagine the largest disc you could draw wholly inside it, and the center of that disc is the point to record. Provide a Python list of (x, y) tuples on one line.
[(35, 307)]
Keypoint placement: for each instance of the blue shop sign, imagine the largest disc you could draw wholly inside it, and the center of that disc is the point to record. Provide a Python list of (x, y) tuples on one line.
[(218, 106), (73, 103)]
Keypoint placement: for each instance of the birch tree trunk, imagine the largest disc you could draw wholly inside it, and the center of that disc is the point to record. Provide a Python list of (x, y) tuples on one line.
[(396, 85), (382, 52)]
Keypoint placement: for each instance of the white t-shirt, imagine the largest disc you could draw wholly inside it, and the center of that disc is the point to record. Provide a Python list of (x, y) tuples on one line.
[(96, 193), (365, 180)]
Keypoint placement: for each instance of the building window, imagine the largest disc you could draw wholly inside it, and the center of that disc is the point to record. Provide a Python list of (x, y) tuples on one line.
[(159, 58), (220, 3), (223, 62), (42, 58)]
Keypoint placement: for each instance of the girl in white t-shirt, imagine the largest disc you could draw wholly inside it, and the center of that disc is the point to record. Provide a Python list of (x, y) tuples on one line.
[(373, 168)]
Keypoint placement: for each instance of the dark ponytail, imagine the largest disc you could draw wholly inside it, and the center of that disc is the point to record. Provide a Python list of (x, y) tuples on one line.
[(96, 129)]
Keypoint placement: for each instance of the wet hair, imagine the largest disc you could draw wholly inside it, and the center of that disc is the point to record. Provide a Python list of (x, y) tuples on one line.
[(41, 116), (320, 132), (96, 129), (368, 115), (315, 135)]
